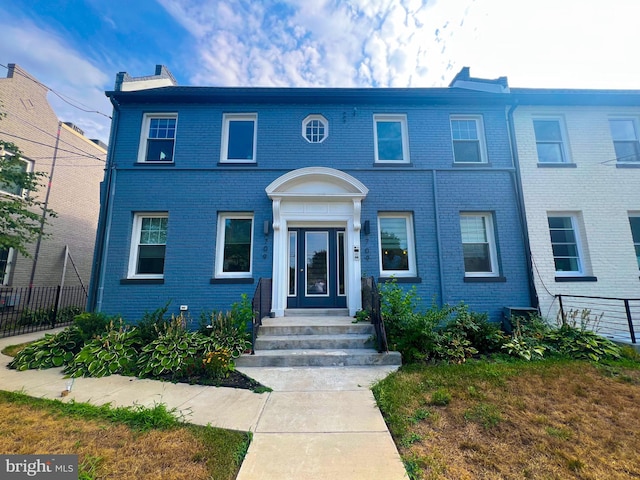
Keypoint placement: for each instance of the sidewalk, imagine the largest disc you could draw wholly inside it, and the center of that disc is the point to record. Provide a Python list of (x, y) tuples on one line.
[(317, 423)]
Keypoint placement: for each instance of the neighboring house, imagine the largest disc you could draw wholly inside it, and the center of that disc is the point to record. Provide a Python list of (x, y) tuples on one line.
[(209, 189), (579, 157), (73, 171)]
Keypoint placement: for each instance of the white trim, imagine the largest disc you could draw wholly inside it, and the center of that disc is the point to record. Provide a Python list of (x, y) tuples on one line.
[(411, 247), (220, 238), (316, 197), (8, 267), (491, 240), (144, 135), (227, 118), (564, 137), (319, 118), (402, 119), (482, 146), (135, 243)]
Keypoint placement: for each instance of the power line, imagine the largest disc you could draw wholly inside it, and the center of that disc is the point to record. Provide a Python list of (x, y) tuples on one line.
[(60, 95), (52, 146)]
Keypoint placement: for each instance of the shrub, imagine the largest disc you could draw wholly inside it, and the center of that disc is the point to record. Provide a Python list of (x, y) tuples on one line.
[(39, 316), (92, 324), (582, 344), (226, 332), (153, 324), (51, 351), (113, 352)]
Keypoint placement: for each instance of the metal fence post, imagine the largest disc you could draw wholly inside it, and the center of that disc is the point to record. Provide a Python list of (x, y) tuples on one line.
[(631, 331)]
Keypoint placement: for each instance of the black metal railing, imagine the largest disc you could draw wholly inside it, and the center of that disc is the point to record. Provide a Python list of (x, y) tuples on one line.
[(31, 309), (618, 318), (261, 305), (371, 303)]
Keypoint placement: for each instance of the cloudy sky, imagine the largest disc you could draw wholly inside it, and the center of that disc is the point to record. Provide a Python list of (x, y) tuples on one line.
[(76, 47)]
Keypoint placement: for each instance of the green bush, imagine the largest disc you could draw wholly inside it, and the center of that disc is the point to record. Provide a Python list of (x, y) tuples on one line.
[(93, 324), (226, 332), (37, 317), (153, 324), (114, 352), (51, 351), (582, 344)]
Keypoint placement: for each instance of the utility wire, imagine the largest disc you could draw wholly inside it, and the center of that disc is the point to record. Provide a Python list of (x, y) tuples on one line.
[(60, 95), (52, 146)]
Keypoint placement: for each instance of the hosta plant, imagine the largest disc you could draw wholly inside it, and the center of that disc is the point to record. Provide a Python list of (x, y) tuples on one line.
[(115, 352), (51, 351)]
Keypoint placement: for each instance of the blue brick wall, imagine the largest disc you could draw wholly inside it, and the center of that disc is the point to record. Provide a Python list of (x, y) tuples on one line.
[(196, 188)]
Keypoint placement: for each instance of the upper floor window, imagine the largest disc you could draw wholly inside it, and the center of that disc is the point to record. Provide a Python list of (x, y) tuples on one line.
[(625, 139), (315, 128), (634, 221), (468, 139), (391, 139), (565, 243), (550, 141), (239, 134), (158, 137), (478, 245), (14, 177), (148, 245), (397, 248), (234, 245)]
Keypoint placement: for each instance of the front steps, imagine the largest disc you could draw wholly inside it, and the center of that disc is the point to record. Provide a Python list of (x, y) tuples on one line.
[(316, 338)]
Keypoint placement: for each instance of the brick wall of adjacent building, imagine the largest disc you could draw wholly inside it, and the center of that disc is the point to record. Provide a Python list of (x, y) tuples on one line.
[(32, 125), (595, 188)]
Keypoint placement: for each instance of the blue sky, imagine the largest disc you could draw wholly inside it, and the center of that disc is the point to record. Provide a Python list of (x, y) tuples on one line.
[(76, 47)]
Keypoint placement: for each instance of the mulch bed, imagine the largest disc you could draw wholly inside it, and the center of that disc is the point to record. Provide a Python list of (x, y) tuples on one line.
[(234, 380)]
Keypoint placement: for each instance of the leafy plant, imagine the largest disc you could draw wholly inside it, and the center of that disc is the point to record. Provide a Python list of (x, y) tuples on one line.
[(453, 346), (582, 344), (362, 316), (92, 324), (227, 330), (38, 316), (115, 352), (153, 324), (51, 351)]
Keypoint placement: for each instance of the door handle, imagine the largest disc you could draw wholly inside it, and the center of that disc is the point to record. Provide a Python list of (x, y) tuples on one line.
[(302, 269)]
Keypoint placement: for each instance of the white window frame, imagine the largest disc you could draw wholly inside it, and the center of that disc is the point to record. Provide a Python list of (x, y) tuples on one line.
[(135, 243), (227, 118), (4, 276), (564, 145), (491, 240), (28, 169), (144, 136), (636, 245), (411, 247), (220, 237), (482, 146), (317, 118), (577, 235), (636, 131), (402, 119)]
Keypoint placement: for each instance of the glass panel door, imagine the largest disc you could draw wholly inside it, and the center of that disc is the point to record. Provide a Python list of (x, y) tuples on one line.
[(317, 248)]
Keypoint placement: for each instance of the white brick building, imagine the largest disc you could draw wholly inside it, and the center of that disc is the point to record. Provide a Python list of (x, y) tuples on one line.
[(32, 125), (579, 161)]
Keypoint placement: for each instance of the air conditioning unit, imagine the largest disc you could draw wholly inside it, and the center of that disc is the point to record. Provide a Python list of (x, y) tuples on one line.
[(510, 312)]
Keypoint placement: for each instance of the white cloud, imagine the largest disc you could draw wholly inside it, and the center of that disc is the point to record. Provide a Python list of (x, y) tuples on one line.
[(47, 57)]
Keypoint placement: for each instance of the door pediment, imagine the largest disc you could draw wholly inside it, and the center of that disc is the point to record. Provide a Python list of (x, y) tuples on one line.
[(317, 182)]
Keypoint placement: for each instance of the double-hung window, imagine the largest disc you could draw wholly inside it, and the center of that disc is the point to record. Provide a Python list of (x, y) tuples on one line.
[(391, 139), (478, 245), (625, 139), (565, 243), (550, 142), (158, 137), (239, 136), (397, 248), (148, 245), (468, 139), (634, 221), (14, 175), (234, 245)]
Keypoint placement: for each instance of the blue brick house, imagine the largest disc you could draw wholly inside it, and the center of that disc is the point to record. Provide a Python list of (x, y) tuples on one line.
[(208, 189)]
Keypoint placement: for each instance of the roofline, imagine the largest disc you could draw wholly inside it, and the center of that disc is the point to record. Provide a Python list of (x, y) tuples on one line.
[(577, 97), (309, 95)]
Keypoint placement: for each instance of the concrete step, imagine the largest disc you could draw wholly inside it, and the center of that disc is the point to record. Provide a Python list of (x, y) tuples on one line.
[(316, 312), (318, 358), (350, 328), (318, 341)]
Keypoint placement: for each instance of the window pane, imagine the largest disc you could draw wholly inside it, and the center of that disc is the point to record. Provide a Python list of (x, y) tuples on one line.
[(464, 129), (293, 266), (622, 130), (389, 140), (627, 151), (159, 150), (240, 140), (13, 174), (394, 244), (476, 248), (162, 128), (151, 259), (473, 229), (315, 131), (549, 152), (237, 245), (564, 244), (317, 244), (467, 151), (635, 228), (4, 260), (547, 130), (341, 284), (477, 257)]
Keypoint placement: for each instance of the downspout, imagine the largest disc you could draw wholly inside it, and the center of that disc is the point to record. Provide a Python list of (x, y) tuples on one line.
[(436, 208), (516, 178), (104, 219)]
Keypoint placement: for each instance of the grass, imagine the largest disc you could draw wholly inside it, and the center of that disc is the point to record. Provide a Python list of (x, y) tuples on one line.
[(506, 419), (124, 443)]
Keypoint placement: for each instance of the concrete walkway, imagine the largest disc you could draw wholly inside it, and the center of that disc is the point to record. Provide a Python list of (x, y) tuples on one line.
[(318, 423)]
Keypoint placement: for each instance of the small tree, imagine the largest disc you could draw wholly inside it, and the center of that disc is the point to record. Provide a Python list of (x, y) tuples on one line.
[(21, 215)]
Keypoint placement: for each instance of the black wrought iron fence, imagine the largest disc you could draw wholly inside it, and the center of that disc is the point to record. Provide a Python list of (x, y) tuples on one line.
[(261, 305), (617, 318), (371, 303), (30, 309)]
